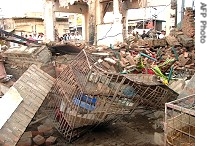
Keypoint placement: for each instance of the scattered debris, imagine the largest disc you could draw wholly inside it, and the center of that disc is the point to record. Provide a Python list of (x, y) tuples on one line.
[(24, 97), (97, 85)]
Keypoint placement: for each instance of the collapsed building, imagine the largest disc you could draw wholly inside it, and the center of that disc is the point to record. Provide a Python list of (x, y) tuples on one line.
[(82, 86)]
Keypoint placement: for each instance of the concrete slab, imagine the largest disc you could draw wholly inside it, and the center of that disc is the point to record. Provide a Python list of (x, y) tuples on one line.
[(31, 88)]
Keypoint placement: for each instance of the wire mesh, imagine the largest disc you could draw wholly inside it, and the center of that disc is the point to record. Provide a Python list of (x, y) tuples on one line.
[(180, 122), (85, 96)]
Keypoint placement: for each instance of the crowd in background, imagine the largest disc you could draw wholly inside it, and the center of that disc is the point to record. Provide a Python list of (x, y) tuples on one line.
[(149, 34), (71, 36), (35, 37)]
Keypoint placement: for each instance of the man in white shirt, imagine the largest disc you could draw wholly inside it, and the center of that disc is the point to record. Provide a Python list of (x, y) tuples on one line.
[(162, 35), (78, 36)]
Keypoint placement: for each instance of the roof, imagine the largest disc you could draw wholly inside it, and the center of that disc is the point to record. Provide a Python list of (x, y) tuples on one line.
[(27, 95)]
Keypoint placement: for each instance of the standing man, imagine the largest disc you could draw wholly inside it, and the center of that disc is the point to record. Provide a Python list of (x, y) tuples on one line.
[(162, 35), (144, 35)]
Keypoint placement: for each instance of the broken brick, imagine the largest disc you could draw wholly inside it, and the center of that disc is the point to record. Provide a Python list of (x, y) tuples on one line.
[(50, 140), (35, 133), (39, 139), (130, 59), (46, 129)]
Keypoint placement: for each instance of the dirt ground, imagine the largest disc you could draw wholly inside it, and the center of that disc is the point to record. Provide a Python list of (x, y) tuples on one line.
[(135, 130)]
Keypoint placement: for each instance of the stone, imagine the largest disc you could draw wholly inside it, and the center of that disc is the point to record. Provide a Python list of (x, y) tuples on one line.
[(50, 140), (24, 142), (39, 139)]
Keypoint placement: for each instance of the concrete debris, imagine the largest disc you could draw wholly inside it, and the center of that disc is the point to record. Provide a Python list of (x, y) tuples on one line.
[(39, 140), (189, 88), (24, 97), (152, 57), (120, 77), (173, 55), (50, 140)]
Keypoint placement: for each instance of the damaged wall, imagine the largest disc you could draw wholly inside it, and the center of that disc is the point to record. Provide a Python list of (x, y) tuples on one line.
[(109, 34), (33, 86)]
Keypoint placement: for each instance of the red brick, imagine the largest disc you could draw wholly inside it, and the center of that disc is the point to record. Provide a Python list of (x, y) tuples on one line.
[(50, 140), (46, 129), (35, 133), (24, 142), (39, 139)]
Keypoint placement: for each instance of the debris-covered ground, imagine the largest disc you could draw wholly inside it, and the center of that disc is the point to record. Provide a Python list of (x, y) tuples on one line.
[(171, 61), (142, 128)]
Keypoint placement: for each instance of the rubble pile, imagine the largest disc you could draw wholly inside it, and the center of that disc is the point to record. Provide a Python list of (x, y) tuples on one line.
[(101, 83), (174, 54), (188, 24), (43, 135)]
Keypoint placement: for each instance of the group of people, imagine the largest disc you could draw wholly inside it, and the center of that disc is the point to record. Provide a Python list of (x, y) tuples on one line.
[(35, 37), (150, 34), (71, 36)]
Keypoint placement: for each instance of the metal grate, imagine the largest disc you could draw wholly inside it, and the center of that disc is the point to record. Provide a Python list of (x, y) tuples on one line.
[(85, 96), (180, 122)]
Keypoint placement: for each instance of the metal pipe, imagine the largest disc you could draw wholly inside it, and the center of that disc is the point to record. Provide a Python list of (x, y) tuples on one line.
[(145, 55)]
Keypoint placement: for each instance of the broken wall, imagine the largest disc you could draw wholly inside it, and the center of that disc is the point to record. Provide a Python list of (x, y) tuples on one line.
[(109, 34), (32, 87)]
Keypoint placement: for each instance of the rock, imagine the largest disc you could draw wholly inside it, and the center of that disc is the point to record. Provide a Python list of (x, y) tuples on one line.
[(39, 139)]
